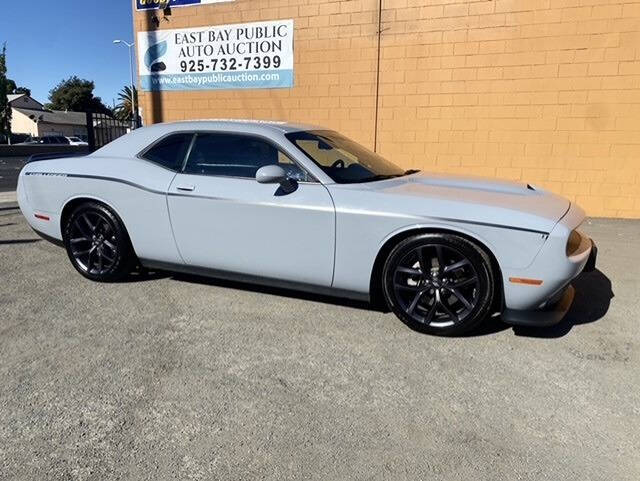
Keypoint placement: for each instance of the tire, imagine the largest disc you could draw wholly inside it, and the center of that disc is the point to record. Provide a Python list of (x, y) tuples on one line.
[(440, 284), (97, 243)]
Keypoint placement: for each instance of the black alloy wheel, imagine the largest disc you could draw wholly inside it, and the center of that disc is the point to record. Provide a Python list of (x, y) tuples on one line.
[(439, 283), (97, 243)]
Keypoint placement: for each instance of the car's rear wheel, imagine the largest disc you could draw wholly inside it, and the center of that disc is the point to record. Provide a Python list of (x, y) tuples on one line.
[(440, 284), (97, 243)]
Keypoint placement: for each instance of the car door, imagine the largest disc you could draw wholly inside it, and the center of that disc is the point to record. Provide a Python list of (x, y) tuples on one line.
[(224, 219)]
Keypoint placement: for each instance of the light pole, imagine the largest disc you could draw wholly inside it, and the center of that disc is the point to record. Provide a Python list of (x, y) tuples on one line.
[(133, 93)]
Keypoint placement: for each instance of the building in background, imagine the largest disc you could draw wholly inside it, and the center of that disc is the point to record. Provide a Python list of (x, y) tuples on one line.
[(29, 117), (541, 92)]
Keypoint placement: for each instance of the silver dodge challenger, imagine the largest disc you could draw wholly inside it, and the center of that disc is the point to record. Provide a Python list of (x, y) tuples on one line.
[(304, 207)]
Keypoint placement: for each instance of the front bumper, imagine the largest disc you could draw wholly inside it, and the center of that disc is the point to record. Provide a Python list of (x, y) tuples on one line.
[(556, 307), (549, 315)]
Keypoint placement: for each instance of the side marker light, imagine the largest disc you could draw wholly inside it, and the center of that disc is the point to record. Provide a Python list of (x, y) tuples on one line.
[(522, 280)]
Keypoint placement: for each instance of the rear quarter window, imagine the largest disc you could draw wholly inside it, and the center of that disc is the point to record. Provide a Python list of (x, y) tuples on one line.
[(170, 151)]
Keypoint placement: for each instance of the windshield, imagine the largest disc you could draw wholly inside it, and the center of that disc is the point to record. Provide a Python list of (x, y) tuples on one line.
[(342, 159)]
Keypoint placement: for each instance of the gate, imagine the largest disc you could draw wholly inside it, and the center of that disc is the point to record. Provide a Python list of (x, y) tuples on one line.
[(102, 129)]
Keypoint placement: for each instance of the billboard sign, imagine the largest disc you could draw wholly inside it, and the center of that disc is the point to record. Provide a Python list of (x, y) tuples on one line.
[(248, 55), (155, 4)]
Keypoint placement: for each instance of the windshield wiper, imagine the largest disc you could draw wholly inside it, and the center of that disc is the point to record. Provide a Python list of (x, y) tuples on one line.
[(380, 177), (388, 176), (374, 178)]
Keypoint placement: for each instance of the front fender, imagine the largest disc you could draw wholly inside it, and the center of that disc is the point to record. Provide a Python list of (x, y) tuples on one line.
[(362, 237)]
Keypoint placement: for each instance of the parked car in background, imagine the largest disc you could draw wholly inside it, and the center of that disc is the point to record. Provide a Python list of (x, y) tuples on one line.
[(55, 140), (305, 207), (76, 141), (46, 140), (30, 141)]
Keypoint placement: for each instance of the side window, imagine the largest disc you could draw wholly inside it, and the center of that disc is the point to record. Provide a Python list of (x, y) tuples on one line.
[(237, 156), (170, 151)]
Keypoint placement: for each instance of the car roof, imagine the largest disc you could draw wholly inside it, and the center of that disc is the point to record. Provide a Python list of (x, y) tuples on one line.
[(250, 125), (139, 139)]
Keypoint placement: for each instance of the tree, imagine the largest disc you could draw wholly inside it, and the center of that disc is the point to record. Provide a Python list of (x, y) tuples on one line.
[(5, 110), (123, 109), (12, 88), (76, 95), (22, 90)]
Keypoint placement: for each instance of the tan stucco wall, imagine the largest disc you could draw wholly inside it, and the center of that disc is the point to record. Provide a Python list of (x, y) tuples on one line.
[(542, 91), (21, 124)]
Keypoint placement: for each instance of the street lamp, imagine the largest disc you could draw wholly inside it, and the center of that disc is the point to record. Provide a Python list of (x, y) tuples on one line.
[(133, 94)]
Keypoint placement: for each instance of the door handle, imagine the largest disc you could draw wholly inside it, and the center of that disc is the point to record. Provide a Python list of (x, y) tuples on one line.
[(186, 188)]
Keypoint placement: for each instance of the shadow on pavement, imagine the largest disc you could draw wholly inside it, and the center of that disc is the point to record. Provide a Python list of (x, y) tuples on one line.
[(19, 241), (591, 303), (592, 299), (492, 325), (277, 291), (144, 275)]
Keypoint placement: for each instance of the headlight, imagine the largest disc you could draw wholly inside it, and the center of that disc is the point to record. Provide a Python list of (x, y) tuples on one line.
[(573, 243)]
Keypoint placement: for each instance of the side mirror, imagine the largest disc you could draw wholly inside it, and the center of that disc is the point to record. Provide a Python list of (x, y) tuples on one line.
[(274, 174), (271, 174)]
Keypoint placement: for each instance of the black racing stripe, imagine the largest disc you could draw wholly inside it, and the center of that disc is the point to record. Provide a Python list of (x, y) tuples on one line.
[(114, 179), (198, 196), (488, 224), (97, 177), (175, 194)]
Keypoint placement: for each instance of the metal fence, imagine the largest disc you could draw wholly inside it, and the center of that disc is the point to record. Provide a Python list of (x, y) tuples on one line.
[(102, 129)]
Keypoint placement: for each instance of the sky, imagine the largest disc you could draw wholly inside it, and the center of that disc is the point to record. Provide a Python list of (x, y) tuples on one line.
[(48, 41)]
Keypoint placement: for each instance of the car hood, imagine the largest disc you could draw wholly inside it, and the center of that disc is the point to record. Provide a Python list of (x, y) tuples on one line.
[(474, 199)]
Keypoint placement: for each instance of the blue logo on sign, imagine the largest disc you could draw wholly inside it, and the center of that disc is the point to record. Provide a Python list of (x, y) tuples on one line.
[(153, 55)]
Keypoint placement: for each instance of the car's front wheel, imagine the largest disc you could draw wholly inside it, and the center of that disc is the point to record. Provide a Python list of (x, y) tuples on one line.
[(97, 243), (440, 284)]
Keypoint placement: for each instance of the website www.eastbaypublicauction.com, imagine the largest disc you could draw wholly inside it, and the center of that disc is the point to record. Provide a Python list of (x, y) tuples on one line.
[(214, 78)]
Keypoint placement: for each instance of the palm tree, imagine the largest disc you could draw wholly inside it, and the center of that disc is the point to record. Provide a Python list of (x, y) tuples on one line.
[(123, 109)]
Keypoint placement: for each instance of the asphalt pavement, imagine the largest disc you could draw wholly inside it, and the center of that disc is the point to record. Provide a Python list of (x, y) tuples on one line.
[(179, 377)]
